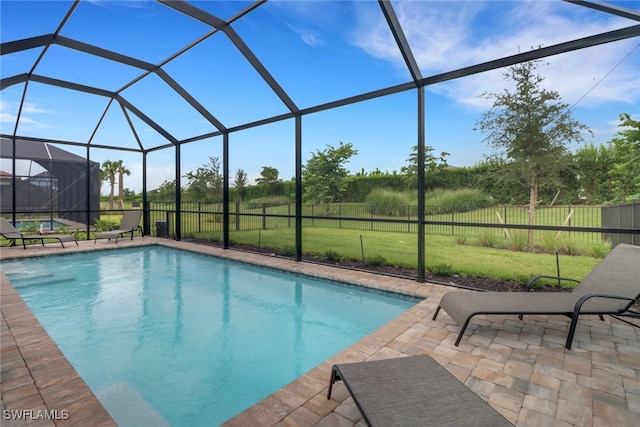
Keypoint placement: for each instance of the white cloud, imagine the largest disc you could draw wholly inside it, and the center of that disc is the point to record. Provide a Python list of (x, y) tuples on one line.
[(8, 111), (308, 36), (445, 36)]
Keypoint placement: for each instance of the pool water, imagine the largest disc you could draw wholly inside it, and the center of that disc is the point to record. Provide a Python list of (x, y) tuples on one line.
[(169, 337), (47, 224)]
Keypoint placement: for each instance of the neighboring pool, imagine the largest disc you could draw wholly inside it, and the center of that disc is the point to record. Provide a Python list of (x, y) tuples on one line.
[(167, 336), (47, 224)]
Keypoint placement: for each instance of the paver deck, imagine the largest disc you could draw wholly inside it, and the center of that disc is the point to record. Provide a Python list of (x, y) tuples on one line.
[(521, 368)]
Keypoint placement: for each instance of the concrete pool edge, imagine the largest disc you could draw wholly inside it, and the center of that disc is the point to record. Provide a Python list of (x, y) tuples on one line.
[(286, 402), (37, 381)]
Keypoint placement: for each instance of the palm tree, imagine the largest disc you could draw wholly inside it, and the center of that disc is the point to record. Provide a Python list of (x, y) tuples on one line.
[(108, 172), (122, 171)]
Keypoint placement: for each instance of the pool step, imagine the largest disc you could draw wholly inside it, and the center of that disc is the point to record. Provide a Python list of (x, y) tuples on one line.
[(129, 408), (21, 276)]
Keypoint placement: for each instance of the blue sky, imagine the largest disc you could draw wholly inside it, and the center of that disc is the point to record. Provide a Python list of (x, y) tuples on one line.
[(318, 51)]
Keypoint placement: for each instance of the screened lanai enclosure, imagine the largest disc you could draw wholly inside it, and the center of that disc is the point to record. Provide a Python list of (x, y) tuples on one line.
[(169, 87)]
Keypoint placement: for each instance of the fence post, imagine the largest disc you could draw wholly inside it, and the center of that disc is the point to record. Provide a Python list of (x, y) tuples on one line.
[(264, 216), (237, 215), (452, 219)]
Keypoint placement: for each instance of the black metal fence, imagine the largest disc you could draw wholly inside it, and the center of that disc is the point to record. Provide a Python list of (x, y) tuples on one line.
[(198, 219)]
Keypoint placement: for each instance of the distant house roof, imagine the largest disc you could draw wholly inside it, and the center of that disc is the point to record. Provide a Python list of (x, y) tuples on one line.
[(37, 151)]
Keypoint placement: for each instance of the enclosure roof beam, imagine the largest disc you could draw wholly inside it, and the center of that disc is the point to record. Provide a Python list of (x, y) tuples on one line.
[(70, 85), (117, 57), (207, 18), (13, 80), (114, 56), (544, 52), (146, 119), (609, 8), (401, 39), (25, 44), (190, 99)]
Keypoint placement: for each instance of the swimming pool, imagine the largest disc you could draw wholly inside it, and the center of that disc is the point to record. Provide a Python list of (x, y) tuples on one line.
[(47, 224), (168, 336)]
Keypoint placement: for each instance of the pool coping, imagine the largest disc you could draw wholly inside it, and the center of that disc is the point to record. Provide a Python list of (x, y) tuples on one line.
[(38, 380), (519, 367)]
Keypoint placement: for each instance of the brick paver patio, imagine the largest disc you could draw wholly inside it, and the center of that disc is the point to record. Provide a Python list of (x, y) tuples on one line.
[(521, 368)]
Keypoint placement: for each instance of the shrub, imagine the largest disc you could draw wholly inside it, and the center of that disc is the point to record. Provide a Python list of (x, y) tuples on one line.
[(332, 255), (464, 200), (518, 240), (386, 202), (288, 250), (487, 239), (377, 260), (600, 249), (563, 244), (268, 201), (442, 269), (104, 225), (31, 228), (79, 234)]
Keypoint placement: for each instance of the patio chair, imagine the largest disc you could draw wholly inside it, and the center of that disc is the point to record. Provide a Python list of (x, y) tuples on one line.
[(413, 391), (611, 288), (9, 232), (129, 224)]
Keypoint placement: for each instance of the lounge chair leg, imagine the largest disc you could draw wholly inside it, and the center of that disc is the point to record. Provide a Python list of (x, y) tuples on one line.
[(334, 378), (436, 313), (464, 328), (572, 331)]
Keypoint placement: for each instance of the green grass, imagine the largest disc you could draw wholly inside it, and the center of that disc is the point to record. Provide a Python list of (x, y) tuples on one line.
[(468, 251), (582, 216), (400, 249)]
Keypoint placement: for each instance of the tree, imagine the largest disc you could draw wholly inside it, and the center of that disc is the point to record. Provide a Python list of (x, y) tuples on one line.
[(269, 178), (626, 159), (432, 165), (205, 184), (240, 183), (121, 170), (108, 173), (531, 128), (166, 192), (593, 165), (323, 175)]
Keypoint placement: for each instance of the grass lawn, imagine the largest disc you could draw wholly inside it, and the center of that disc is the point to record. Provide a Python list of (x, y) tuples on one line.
[(442, 252)]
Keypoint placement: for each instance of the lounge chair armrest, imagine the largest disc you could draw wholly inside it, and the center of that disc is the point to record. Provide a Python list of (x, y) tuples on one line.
[(542, 276), (585, 298)]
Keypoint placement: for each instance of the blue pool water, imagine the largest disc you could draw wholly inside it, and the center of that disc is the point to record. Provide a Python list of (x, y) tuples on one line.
[(47, 224), (170, 337)]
